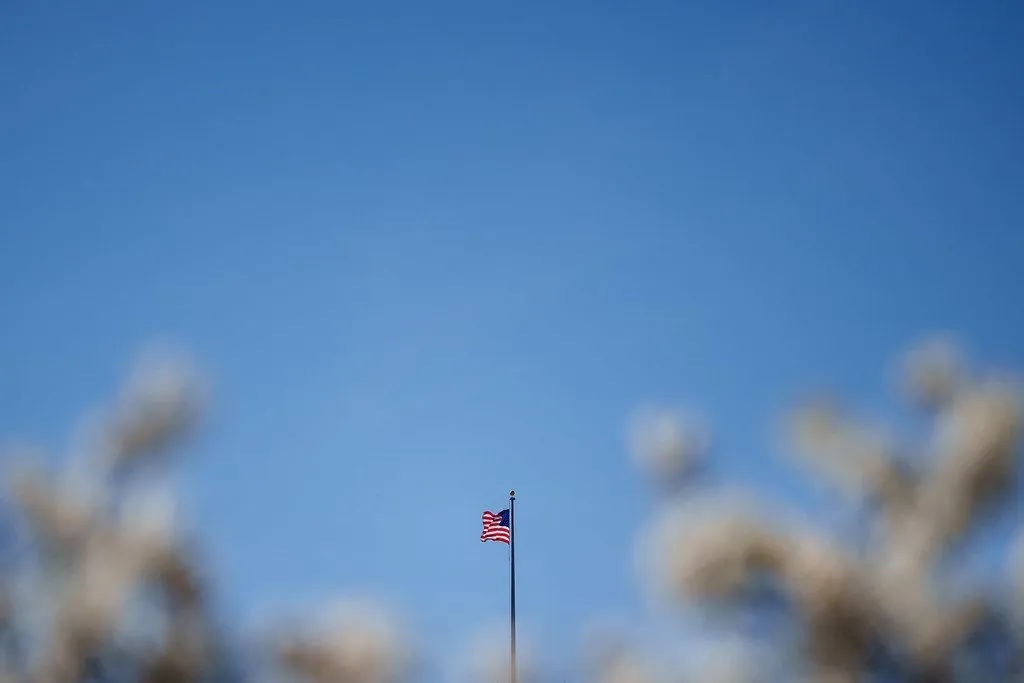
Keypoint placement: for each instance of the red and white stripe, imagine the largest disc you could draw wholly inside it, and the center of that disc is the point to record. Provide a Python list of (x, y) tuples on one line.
[(493, 531)]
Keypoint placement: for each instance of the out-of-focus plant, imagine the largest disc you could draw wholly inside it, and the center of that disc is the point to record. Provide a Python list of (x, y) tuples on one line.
[(99, 582), (668, 445), (107, 588), (898, 606)]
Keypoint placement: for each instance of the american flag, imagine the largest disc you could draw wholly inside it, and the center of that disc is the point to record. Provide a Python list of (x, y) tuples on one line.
[(496, 527)]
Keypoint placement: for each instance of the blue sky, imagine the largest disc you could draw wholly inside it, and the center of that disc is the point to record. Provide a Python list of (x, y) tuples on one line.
[(432, 251)]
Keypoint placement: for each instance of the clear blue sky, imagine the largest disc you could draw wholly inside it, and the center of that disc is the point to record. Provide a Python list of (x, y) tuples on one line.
[(432, 251)]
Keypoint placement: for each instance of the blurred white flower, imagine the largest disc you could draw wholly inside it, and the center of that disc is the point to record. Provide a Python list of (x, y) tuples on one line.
[(149, 507), (148, 523), (97, 594), (161, 401), (701, 550), (62, 516), (933, 372), (975, 441), (981, 425), (357, 641), (858, 458), (667, 444), (818, 573)]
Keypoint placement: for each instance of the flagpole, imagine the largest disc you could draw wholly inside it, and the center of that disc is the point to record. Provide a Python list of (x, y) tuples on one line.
[(512, 558)]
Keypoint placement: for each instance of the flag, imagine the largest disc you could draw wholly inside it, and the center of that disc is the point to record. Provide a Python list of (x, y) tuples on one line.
[(496, 527)]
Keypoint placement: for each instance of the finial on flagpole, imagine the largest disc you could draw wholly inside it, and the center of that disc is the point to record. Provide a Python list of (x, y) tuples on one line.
[(512, 493)]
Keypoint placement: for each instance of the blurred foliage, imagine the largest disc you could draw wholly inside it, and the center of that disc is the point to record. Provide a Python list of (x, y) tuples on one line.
[(100, 584)]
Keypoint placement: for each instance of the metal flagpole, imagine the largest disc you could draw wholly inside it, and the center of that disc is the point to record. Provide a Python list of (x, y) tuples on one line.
[(512, 558)]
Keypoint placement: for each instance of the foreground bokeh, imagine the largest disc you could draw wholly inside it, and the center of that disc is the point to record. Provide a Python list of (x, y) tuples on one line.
[(101, 584)]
